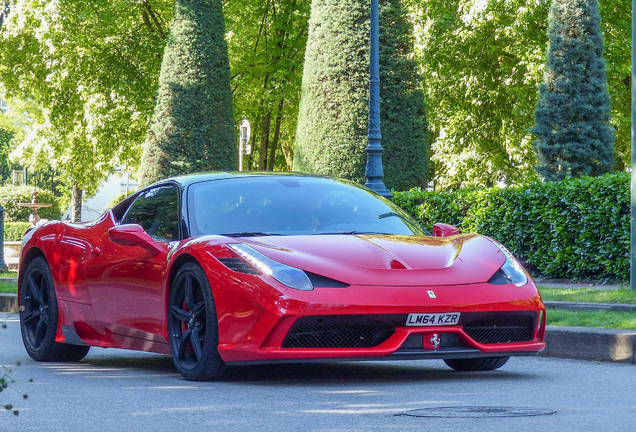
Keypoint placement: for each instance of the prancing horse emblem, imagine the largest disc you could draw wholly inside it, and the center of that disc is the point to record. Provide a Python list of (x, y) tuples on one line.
[(431, 294), (435, 341)]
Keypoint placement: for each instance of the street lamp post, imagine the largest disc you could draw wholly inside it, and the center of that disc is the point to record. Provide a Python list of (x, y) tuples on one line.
[(374, 172), (632, 276)]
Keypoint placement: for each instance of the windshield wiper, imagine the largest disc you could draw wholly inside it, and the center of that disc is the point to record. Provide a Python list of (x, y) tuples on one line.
[(250, 234), (352, 233), (393, 214)]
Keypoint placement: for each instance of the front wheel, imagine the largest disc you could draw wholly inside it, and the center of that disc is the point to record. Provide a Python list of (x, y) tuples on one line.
[(476, 364), (39, 314), (193, 326)]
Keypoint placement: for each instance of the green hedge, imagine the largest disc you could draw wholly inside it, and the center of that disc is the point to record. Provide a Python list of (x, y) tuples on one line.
[(14, 231), (10, 196), (575, 228)]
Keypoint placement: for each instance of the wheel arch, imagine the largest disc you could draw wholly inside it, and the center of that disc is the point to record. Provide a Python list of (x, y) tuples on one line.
[(179, 262), (30, 255)]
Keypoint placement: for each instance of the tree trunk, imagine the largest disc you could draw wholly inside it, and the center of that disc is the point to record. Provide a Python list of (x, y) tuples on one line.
[(272, 149), (76, 212), (262, 160)]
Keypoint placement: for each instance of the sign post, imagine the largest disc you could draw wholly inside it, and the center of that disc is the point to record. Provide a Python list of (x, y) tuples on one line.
[(245, 132)]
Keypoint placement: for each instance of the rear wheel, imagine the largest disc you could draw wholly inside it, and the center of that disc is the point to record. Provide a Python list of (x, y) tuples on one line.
[(38, 318), (193, 326), (477, 364)]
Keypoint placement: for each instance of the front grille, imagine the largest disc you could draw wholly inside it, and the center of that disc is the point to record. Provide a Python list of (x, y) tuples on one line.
[(501, 329), (337, 332)]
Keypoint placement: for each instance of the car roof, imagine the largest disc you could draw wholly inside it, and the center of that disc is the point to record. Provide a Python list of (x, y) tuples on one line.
[(186, 180)]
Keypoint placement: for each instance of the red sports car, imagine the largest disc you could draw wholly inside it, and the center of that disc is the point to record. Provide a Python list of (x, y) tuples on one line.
[(224, 269)]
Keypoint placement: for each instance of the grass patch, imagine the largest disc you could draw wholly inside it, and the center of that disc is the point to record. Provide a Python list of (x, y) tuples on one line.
[(8, 287), (598, 319), (624, 296)]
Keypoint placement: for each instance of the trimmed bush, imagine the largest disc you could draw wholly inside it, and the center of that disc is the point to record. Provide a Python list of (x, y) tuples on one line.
[(575, 228), (573, 111), (192, 128), (10, 196), (14, 231)]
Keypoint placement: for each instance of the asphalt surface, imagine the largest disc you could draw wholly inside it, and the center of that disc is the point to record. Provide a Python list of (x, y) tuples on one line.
[(125, 390)]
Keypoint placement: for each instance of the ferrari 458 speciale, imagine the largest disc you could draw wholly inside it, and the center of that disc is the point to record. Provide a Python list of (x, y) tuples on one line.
[(221, 269)]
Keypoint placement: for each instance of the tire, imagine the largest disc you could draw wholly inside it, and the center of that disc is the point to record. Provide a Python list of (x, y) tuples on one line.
[(193, 326), (38, 317), (476, 364)]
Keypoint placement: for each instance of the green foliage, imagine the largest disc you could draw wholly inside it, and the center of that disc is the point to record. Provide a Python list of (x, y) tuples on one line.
[(482, 63), (573, 111), (14, 231), (193, 124), (575, 228), (333, 116), (88, 70), (266, 43), (10, 196)]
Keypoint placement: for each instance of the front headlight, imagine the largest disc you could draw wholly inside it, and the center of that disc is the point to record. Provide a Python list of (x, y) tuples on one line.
[(511, 272), (289, 276)]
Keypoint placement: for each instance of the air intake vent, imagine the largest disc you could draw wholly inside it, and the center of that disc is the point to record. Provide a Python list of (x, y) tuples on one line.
[(337, 332), (238, 265), (324, 282), (501, 329)]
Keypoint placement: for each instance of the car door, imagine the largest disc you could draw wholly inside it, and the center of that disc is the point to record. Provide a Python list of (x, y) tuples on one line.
[(127, 283)]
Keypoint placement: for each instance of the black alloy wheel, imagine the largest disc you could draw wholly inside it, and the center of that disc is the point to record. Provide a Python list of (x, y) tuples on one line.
[(39, 314), (476, 364), (193, 326)]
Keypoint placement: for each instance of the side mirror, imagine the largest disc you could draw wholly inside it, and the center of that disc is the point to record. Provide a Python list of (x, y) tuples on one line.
[(444, 230), (134, 235)]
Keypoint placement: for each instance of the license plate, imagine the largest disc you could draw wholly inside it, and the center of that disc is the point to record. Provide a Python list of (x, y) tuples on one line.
[(439, 319)]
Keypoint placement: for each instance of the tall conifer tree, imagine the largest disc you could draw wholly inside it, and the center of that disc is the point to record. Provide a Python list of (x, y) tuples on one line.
[(333, 114), (193, 124), (574, 136)]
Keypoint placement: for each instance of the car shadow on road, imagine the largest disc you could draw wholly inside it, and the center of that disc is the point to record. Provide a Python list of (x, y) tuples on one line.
[(156, 363), (359, 373), (303, 374)]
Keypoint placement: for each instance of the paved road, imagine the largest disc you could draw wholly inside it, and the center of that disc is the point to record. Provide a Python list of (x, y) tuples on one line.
[(116, 390)]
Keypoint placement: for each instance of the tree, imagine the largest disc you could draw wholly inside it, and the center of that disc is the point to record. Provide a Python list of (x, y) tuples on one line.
[(482, 63), (574, 136), (266, 41), (332, 122), (193, 124), (89, 70)]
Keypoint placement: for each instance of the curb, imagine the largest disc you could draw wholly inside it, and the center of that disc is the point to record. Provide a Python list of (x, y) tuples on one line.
[(590, 344), (581, 343), (581, 307)]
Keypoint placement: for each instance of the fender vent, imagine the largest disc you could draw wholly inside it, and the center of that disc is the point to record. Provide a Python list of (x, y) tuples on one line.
[(238, 265)]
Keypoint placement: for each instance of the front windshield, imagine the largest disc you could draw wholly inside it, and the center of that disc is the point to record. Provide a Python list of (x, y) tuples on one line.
[(290, 205)]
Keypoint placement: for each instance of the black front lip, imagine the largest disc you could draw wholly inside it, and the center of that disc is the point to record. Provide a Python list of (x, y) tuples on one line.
[(400, 355)]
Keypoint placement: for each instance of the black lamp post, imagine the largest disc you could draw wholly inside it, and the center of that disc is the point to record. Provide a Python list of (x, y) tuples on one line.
[(632, 253), (374, 172)]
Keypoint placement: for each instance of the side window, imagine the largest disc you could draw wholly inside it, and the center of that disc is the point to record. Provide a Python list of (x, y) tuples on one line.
[(157, 211)]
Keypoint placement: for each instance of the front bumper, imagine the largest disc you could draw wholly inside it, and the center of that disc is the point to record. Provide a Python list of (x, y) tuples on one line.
[(265, 340)]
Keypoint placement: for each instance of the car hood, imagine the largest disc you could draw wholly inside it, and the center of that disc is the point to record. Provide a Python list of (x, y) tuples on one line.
[(387, 259)]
